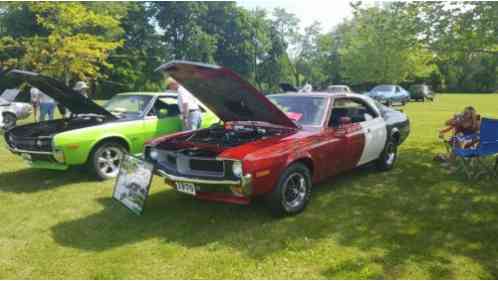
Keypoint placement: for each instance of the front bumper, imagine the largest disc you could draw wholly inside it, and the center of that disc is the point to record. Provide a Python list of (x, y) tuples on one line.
[(40, 159), (221, 190)]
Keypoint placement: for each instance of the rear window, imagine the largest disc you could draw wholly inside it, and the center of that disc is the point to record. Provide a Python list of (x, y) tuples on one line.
[(383, 88)]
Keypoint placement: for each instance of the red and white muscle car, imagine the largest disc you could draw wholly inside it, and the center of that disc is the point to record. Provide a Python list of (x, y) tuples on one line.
[(276, 146)]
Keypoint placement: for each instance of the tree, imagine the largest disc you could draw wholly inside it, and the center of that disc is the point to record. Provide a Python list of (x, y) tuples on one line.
[(308, 56), (381, 47), (183, 31), (80, 38), (142, 51), (464, 37)]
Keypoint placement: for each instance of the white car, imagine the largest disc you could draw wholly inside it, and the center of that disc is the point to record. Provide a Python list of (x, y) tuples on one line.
[(338, 89), (12, 111)]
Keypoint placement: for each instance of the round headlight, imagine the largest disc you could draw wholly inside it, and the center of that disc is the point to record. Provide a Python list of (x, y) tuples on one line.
[(39, 142), (154, 154), (237, 169)]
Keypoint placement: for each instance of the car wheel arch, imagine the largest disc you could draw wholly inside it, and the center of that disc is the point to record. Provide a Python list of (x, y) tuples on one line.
[(306, 161), (11, 114), (118, 139)]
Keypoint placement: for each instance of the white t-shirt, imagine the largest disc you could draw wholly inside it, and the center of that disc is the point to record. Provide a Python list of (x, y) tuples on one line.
[(307, 88), (39, 96), (184, 96)]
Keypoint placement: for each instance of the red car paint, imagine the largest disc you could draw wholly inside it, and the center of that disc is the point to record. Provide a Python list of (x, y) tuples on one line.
[(324, 149)]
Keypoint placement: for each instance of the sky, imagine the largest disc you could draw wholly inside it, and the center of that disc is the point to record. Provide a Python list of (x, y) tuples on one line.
[(328, 12)]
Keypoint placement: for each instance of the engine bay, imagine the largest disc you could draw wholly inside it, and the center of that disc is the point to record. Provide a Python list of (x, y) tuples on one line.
[(230, 136), (50, 128)]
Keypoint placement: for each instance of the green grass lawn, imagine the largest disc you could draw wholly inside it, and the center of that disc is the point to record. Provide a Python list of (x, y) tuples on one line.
[(415, 222)]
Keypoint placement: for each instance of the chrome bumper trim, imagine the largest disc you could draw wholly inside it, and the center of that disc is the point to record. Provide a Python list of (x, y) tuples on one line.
[(30, 152), (245, 182), (197, 180)]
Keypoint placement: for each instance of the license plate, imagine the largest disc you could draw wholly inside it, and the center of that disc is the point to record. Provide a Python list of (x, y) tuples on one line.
[(26, 156), (185, 187)]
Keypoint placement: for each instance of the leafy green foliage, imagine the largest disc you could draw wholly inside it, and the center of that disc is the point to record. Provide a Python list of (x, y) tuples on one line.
[(118, 45)]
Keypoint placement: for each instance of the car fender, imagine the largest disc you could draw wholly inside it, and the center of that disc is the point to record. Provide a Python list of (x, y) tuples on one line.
[(77, 151), (8, 110), (306, 159), (105, 137)]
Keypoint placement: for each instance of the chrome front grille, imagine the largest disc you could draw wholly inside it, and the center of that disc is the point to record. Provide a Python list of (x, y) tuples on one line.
[(194, 166), (30, 144)]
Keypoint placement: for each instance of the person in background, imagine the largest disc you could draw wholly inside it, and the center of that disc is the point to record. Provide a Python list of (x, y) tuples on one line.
[(35, 102), (307, 88), (461, 125), (464, 124), (82, 88), (47, 106), (190, 112)]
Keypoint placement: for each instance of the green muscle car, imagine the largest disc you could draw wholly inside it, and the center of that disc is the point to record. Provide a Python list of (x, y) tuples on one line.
[(94, 135)]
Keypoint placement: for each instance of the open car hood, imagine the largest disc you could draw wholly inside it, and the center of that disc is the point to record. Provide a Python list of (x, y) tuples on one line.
[(226, 93), (62, 94)]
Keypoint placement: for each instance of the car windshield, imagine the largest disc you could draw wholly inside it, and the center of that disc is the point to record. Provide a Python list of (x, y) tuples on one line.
[(304, 110), (4, 101), (131, 105), (384, 88)]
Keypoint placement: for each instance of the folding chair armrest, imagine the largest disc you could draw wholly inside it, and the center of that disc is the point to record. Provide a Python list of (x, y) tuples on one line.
[(468, 137)]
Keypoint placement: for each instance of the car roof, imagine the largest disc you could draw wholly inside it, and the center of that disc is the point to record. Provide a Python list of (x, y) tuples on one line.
[(160, 94), (338, 85), (320, 94)]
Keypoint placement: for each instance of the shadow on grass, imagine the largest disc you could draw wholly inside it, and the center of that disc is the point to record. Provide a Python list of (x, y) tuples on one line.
[(35, 180), (413, 214)]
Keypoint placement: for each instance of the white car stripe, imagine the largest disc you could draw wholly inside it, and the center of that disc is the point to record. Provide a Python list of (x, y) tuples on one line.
[(375, 132)]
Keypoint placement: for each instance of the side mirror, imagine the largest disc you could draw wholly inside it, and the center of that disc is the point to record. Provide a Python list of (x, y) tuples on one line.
[(345, 121)]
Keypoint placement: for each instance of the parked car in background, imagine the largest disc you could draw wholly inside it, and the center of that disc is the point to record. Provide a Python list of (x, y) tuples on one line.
[(338, 89), (421, 92), (389, 94), (14, 111), (273, 147), (94, 135), (11, 110)]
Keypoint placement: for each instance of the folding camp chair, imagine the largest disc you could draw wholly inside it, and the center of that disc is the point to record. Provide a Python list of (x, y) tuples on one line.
[(475, 157)]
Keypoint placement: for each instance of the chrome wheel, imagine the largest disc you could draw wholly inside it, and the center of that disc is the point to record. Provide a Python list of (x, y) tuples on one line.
[(108, 161), (295, 189)]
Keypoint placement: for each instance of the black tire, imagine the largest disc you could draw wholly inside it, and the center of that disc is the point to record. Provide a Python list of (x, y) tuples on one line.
[(389, 103), (388, 157), (287, 198), (9, 120), (107, 154), (403, 103)]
